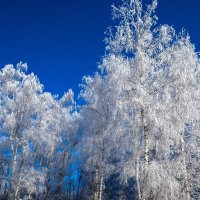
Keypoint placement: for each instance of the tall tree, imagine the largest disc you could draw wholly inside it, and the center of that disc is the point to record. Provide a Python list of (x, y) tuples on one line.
[(155, 60), (19, 101), (99, 105)]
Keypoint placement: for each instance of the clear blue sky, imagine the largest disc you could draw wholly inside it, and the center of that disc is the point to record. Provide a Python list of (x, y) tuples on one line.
[(62, 40)]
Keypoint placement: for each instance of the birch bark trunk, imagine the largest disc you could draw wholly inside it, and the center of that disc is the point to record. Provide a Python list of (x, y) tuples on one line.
[(185, 173), (29, 196), (101, 188), (14, 164), (146, 150), (20, 175), (138, 181), (96, 184)]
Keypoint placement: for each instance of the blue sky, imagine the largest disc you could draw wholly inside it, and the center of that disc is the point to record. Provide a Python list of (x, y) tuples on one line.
[(62, 40)]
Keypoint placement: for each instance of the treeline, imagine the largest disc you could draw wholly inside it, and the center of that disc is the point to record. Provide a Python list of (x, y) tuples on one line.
[(135, 134)]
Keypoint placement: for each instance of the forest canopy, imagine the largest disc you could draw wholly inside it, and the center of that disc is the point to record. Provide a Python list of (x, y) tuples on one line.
[(135, 134)]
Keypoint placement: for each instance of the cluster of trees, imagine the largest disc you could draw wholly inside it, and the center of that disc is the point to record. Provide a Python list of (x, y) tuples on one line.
[(134, 136), (37, 136)]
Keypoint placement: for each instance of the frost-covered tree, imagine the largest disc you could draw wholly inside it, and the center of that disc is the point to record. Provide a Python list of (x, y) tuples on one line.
[(97, 121), (160, 90), (152, 75), (181, 100), (35, 128), (135, 134), (54, 143), (18, 101)]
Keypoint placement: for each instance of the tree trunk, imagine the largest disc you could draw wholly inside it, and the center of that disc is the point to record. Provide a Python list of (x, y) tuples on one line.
[(138, 181), (101, 188), (185, 173), (146, 144), (146, 150), (48, 179), (14, 164), (98, 184), (17, 193), (20, 175), (96, 194), (29, 196)]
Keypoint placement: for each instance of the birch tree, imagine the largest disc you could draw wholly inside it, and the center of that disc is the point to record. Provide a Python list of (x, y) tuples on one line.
[(99, 116), (140, 45), (18, 101)]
